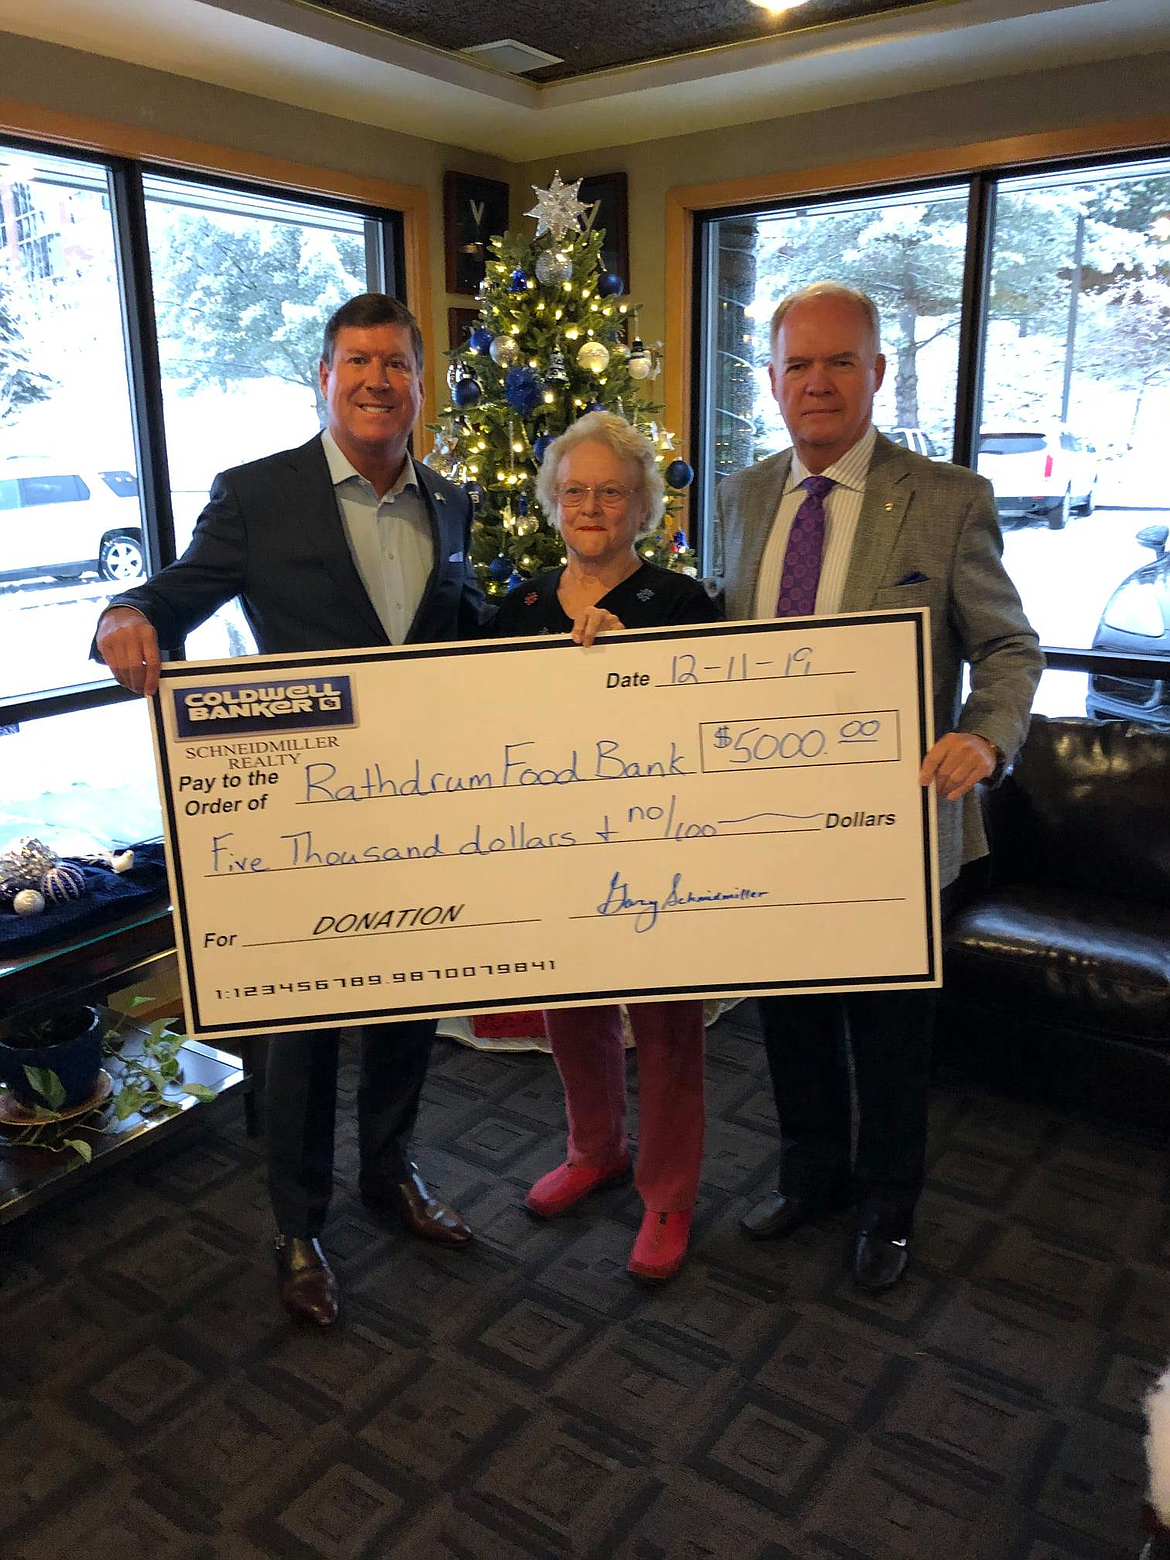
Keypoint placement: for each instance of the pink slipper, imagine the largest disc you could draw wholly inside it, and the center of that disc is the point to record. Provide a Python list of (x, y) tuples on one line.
[(558, 1190), (661, 1245)]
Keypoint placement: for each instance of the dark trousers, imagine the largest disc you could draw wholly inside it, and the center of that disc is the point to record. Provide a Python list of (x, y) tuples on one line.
[(813, 1043), (300, 1101), (870, 1050)]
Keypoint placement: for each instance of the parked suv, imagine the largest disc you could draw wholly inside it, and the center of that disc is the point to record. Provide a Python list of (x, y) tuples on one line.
[(60, 524), (914, 439), (1136, 621), (1038, 472)]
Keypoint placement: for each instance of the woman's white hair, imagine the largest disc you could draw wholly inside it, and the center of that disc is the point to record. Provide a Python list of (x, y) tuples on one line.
[(626, 441)]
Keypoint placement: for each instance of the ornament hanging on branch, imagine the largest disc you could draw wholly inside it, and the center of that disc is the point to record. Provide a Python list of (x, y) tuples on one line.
[(523, 390), (556, 373), (610, 285), (554, 267), (593, 357), (467, 391), (504, 351), (639, 365)]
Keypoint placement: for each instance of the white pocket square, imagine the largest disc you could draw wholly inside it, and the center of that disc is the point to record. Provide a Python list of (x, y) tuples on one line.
[(455, 558)]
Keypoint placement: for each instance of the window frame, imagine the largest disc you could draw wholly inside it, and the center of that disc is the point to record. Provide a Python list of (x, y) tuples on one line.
[(692, 212), (398, 245)]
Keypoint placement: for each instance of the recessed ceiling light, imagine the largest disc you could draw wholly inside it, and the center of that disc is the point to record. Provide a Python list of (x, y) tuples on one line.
[(777, 7)]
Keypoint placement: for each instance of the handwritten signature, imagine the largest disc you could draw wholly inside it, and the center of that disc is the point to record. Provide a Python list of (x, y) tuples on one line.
[(619, 900)]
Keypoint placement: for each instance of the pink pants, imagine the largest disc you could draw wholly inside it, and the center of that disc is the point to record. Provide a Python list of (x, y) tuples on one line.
[(587, 1047)]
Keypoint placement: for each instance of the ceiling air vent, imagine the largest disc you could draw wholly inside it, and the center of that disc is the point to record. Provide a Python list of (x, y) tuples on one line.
[(508, 55)]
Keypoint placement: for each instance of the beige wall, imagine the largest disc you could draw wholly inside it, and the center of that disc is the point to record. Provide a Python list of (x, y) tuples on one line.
[(69, 81), (921, 122)]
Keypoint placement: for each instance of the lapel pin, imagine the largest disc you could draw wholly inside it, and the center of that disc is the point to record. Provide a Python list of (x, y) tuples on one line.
[(889, 507)]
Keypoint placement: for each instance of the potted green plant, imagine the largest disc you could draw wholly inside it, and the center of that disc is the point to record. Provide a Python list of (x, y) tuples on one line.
[(52, 1062), (46, 1062)]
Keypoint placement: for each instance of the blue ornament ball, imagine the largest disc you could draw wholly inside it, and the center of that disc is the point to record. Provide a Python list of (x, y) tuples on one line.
[(539, 445), (466, 392), (517, 579), (597, 406), (500, 567), (474, 492), (610, 286), (62, 883), (679, 474), (480, 339), (522, 504), (523, 389), (518, 282)]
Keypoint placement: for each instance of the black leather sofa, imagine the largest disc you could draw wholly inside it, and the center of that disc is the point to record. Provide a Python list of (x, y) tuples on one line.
[(1057, 968)]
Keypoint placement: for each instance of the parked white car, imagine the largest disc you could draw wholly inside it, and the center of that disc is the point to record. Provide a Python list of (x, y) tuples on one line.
[(58, 523), (1043, 472)]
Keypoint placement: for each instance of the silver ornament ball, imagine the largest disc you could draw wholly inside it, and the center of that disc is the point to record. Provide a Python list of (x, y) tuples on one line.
[(504, 350), (553, 266), (28, 902), (593, 357)]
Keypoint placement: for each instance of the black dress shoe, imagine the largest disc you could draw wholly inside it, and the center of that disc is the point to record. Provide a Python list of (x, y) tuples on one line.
[(423, 1214), (780, 1213), (879, 1262), (308, 1289)]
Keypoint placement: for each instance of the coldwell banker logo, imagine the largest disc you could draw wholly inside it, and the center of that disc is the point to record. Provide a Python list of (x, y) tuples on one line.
[(263, 705)]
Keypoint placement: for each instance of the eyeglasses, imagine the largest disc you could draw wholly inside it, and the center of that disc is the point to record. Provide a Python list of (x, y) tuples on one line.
[(609, 494)]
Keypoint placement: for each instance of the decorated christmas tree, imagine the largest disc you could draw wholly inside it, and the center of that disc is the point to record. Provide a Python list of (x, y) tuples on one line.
[(550, 344)]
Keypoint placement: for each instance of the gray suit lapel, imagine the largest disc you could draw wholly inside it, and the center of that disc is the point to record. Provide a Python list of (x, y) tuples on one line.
[(758, 505), (888, 490)]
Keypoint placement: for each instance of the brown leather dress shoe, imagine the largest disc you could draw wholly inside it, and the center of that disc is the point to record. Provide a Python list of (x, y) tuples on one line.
[(423, 1214), (308, 1289)]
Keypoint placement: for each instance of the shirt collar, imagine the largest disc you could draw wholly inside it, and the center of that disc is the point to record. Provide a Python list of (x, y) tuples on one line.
[(341, 468), (849, 471)]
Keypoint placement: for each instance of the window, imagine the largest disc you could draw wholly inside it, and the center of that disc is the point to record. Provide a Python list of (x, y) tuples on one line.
[(65, 414), (1067, 397), (243, 280), (242, 286)]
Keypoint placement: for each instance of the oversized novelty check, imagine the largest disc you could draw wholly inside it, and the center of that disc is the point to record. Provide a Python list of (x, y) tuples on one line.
[(457, 828)]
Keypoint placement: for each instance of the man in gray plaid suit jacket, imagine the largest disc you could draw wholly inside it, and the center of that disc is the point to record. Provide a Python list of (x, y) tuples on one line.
[(895, 530)]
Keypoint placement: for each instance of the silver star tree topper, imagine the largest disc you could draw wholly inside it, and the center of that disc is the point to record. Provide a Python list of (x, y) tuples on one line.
[(557, 210)]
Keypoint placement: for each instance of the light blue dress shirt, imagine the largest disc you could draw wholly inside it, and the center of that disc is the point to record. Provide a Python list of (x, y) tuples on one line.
[(389, 538)]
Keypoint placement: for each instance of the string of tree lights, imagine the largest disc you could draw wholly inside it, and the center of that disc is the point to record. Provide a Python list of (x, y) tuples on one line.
[(549, 345)]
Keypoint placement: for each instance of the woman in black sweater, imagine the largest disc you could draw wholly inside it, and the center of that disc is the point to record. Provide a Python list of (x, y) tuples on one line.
[(600, 485)]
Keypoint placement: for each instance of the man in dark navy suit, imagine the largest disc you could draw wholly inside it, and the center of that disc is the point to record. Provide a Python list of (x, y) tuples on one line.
[(342, 543)]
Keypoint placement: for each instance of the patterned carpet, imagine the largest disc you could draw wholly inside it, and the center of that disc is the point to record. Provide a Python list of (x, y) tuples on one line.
[(522, 1399)]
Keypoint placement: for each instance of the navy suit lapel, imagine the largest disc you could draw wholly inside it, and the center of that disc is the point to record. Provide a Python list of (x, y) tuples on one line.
[(317, 505), (435, 501)]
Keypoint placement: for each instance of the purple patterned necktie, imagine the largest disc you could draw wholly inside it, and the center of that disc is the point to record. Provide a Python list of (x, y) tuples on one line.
[(802, 557)]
